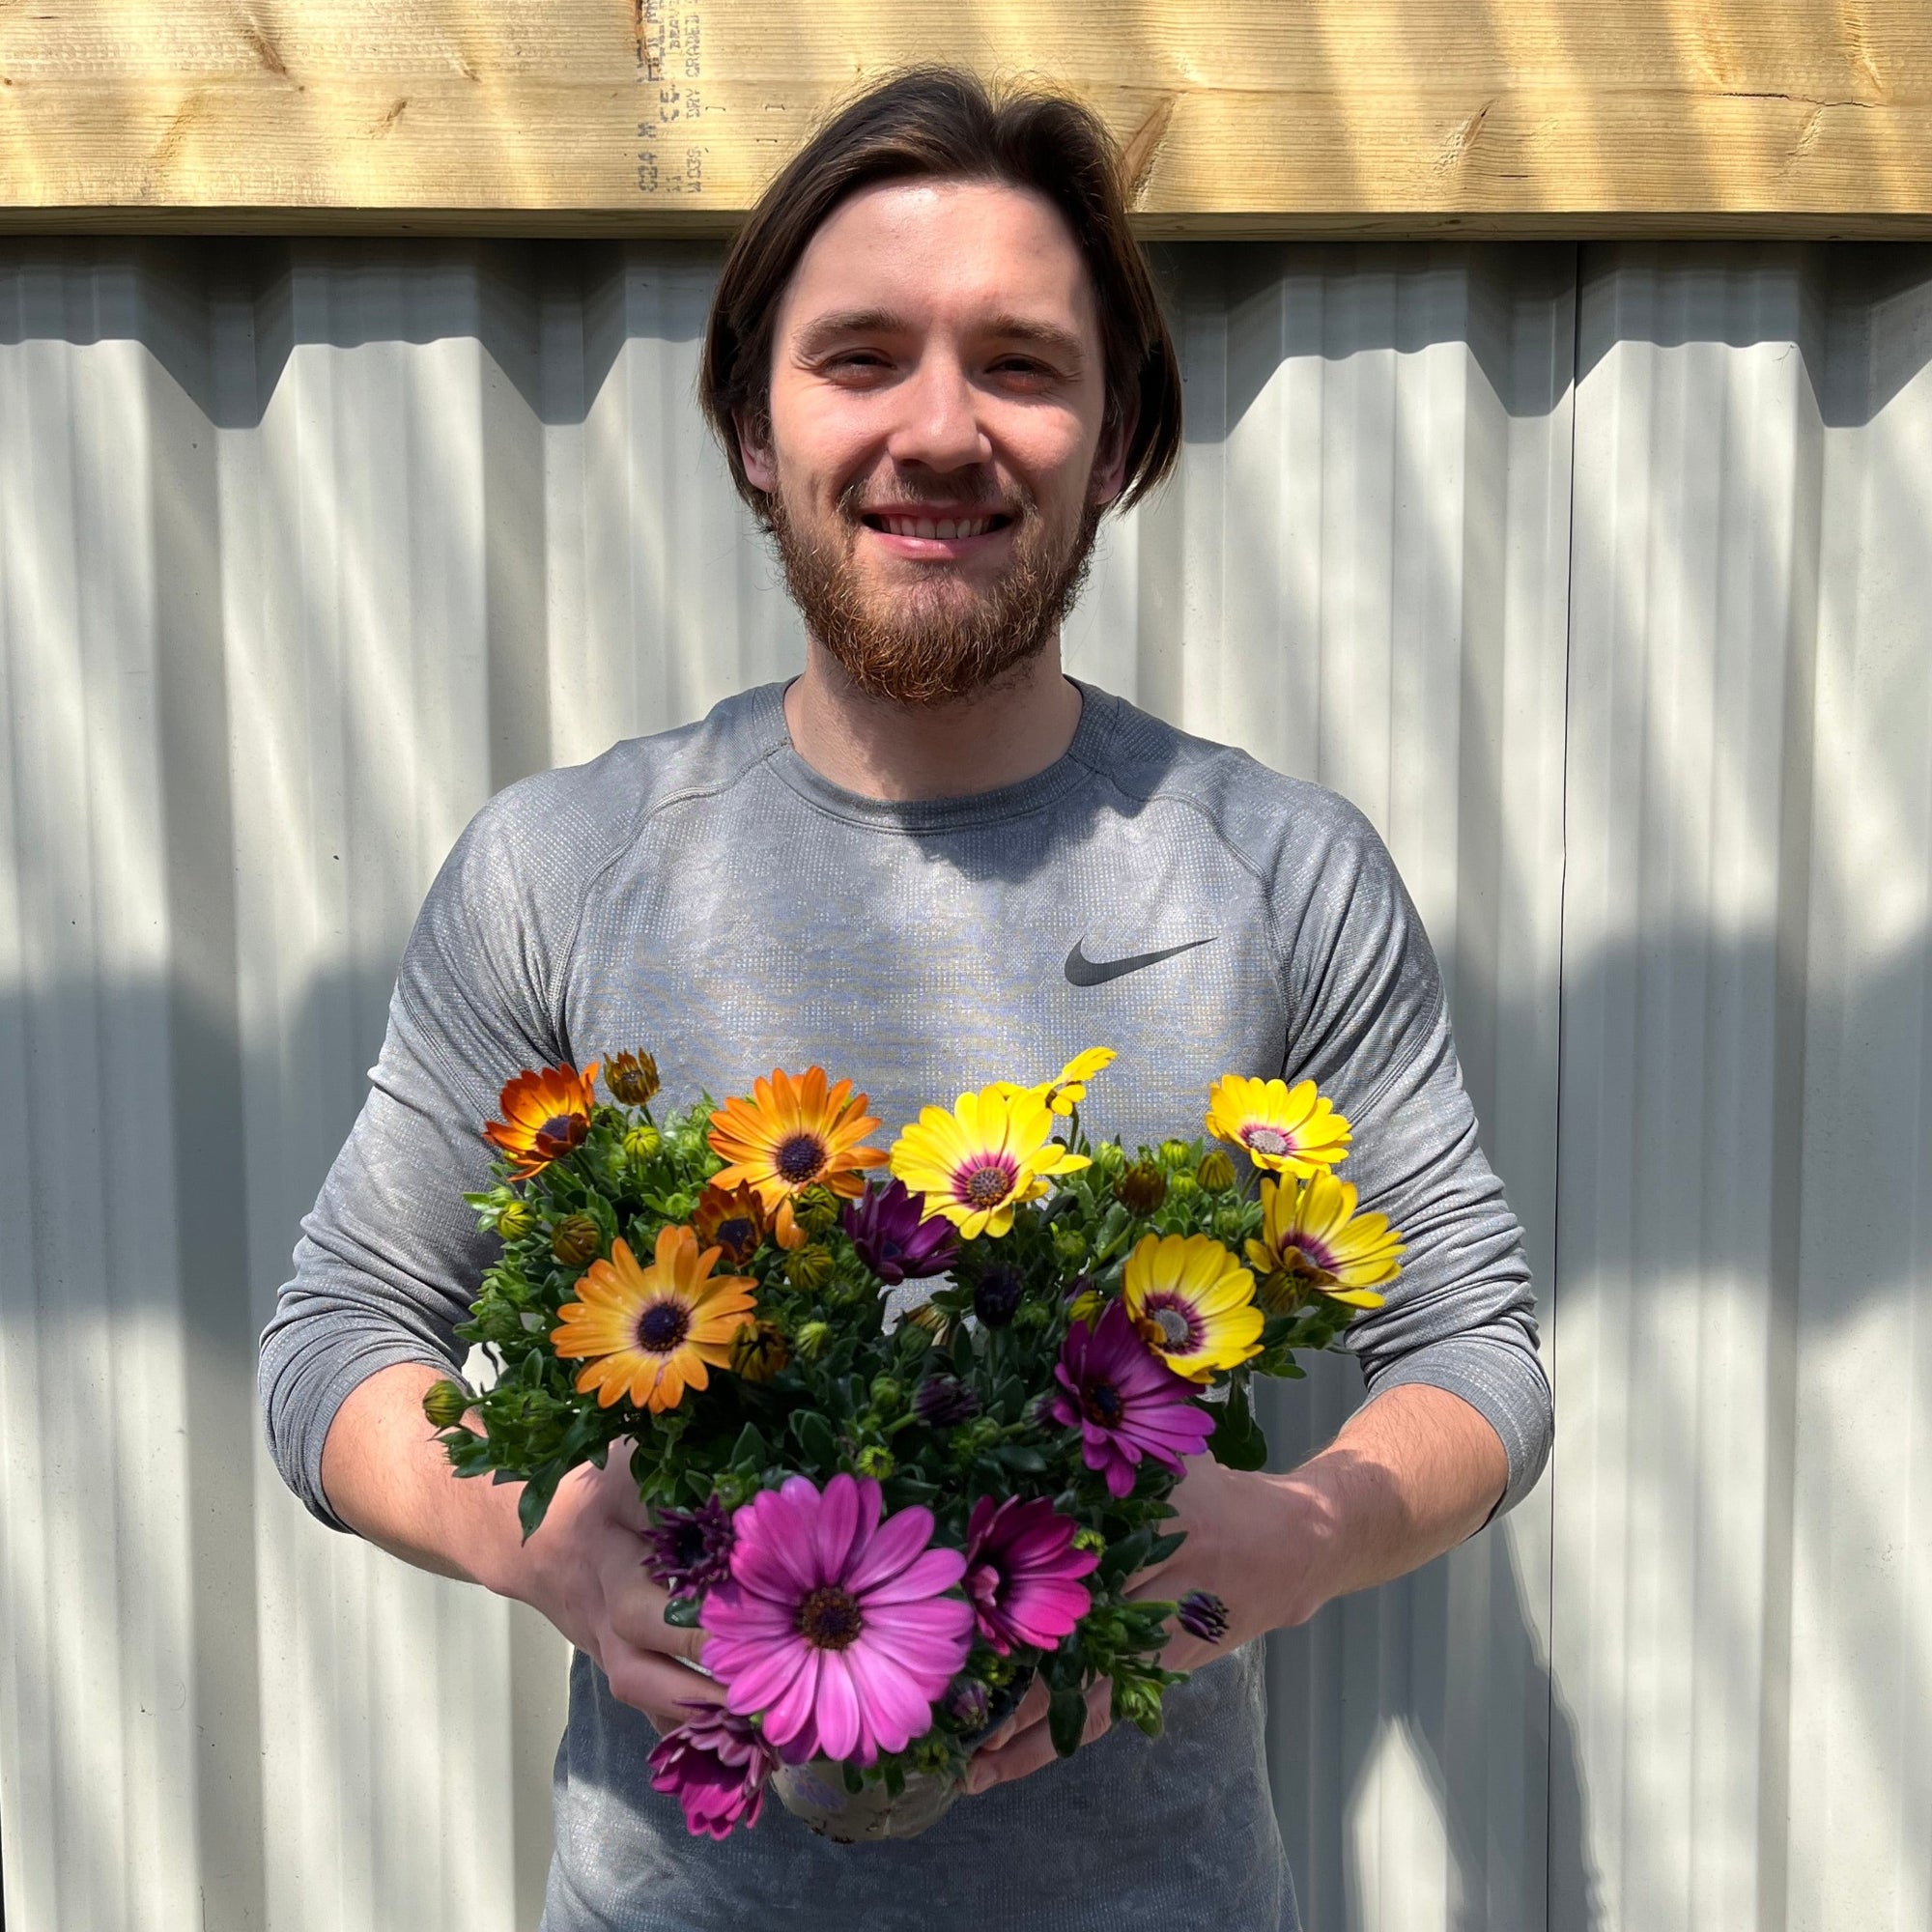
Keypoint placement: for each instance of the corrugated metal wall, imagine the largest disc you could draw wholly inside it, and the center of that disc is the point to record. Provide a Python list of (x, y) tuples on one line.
[(1595, 577)]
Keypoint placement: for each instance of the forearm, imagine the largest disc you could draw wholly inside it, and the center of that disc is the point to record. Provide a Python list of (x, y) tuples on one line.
[(386, 1476), (1409, 1475)]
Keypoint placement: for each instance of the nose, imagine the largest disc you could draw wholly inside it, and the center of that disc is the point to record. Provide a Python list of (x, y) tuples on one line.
[(939, 426)]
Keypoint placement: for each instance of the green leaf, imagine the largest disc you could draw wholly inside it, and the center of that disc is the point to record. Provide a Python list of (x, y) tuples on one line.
[(816, 1439), (1066, 1720), (1021, 1456), (531, 1507), (749, 1450), (1238, 1442)]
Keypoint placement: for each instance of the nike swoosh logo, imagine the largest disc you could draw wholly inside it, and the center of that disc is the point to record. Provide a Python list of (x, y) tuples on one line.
[(1082, 971)]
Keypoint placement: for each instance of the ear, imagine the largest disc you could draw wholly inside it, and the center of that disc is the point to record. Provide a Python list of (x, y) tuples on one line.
[(756, 454), (1110, 460)]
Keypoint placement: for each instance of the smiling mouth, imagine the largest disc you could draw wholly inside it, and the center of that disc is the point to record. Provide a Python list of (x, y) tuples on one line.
[(946, 529)]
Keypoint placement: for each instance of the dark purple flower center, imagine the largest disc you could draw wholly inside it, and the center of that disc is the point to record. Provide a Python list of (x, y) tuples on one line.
[(829, 1618), (986, 1186), (1101, 1401), (1179, 1330), (737, 1236), (564, 1127), (799, 1159), (688, 1543), (1267, 1140), (662, 1326)]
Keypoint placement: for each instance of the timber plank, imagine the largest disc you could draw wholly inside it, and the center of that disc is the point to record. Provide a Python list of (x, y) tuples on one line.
[(1255, 117)]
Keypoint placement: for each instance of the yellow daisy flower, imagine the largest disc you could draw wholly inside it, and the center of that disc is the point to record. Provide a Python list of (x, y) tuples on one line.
[(1193, 1302), (974, 1164), (1063, 1094), (1315, 1242), (651, 1332), (1291, 1130), (791, 1135)]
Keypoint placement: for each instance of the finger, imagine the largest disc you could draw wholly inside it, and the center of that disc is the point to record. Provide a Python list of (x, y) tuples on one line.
[(655, 1685), (1033, 1747), (637, 1616), (1030, 1709)]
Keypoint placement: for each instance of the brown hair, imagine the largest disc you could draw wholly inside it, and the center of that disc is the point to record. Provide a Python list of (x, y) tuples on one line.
[(942, 122)]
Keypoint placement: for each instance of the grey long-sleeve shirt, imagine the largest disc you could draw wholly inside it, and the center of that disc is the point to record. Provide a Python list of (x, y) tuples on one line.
[(707, 894)]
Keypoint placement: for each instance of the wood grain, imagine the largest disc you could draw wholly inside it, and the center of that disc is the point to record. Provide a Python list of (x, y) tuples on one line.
[(1251, 118)]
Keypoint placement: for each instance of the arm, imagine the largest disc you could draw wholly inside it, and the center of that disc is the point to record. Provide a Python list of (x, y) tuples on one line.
[(389, 1260), (1458, 1422), (386, 1477), (1408, 1476)]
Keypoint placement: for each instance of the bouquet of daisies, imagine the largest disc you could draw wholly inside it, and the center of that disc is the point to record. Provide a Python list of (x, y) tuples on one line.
[(906, 1418)]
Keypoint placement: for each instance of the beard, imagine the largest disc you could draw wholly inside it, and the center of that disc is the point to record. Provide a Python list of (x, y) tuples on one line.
[(937, 640)]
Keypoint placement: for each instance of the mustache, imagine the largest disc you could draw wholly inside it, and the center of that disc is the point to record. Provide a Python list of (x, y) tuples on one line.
[(853, 508)]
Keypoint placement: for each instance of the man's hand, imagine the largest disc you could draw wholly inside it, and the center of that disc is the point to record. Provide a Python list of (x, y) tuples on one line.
[(584, 1571), (386, 1476), (1409, 1475)]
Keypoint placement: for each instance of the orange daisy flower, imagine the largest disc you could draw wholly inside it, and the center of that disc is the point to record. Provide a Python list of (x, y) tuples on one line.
[(545, 1115), (653, 1333), (732, 1218), (791, 1135)]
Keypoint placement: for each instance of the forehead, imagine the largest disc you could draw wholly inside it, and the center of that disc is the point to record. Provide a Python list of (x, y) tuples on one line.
[(942, 251)]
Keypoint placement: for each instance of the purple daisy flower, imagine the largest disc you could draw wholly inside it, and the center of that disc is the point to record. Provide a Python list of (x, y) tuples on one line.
[(690, 1550), (885, 1224), (945, 1402), (717, 1765), (1023, 1572), (836, 1626), (1126, 1400)]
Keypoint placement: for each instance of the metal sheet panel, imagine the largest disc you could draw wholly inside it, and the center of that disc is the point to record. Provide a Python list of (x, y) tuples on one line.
[(1741, 1374), (305, 550)]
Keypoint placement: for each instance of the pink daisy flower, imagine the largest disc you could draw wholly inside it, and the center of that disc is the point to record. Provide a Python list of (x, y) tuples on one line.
[(835, 1625), (1022, 1573), (717, 1765)]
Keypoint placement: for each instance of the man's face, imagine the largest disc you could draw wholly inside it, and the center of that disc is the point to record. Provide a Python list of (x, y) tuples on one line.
[(935, 464)]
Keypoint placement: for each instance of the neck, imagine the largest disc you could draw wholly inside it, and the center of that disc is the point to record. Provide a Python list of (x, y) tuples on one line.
[(882, 749)]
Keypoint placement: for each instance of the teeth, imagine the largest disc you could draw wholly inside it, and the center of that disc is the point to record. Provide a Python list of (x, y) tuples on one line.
[(945, 527)]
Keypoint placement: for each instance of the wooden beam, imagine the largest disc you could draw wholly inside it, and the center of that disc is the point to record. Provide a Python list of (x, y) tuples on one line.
[(1253, 117)]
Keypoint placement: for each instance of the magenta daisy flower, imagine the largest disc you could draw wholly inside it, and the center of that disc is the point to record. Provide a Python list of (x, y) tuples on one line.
[(717, 1765), (1126, 1400), (835, 1625), (1023, 1572)]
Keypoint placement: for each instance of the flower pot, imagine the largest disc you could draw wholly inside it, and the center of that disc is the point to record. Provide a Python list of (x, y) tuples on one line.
[(815, 1791)]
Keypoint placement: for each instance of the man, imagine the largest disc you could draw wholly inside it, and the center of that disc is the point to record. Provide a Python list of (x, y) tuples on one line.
[(935, 359)]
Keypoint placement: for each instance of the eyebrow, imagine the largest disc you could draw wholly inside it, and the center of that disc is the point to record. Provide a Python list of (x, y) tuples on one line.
[(822, 331)]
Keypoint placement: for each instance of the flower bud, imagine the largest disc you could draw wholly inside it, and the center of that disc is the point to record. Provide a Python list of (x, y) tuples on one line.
[(1216, 1172), (1137, 1703), (887, 1395), (874, 1460), (816, 1211), (517, 1220), (998, 1671), (1142, 1188), (632, 1078), (810, 1339), (1032, 1317), (1203, 1614), (945, 1402), (968, 1704), (758, 1352), (576, 1240), (1089, 1539), (997, 1294), (1070, 1246), (810, 1270), (1182, 1187), (931, 1755), (1174, 1155), (446, 1403), (1109, 1157), (1086, 1306), (641, 1143)]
